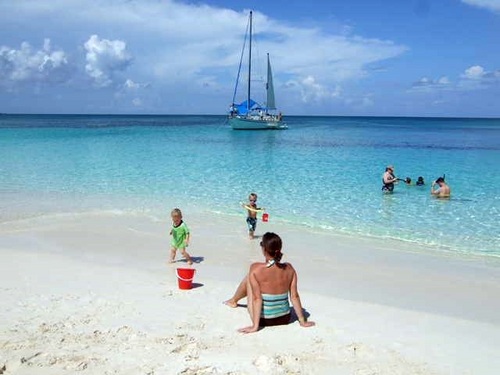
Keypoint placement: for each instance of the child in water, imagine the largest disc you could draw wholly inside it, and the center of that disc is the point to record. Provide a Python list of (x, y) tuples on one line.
[(180, 236), (252, 211)]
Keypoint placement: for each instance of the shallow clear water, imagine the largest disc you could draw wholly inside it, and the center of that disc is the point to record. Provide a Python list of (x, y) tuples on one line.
[(321, 172)]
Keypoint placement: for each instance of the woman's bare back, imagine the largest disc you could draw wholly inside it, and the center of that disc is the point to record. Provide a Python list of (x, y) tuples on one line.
[(275, 279)]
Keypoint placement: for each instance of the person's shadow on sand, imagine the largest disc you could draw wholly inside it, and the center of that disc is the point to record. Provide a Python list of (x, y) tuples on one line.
[(196, 260), (294, 318), (293, 315)]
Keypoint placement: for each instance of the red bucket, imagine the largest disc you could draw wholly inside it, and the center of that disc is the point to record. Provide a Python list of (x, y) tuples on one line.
[(185, 277), (265, 217)]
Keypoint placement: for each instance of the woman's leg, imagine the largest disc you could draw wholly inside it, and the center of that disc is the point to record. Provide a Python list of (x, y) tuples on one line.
[(249, 298), (241, 292)]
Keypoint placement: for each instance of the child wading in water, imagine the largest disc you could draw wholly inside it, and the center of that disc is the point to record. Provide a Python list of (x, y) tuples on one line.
[(180, 236), (252, 211)]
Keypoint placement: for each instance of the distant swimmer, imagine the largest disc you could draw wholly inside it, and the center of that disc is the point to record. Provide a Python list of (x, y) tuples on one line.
[(408, 181), (443, 191), (420, 181), (388, 179)]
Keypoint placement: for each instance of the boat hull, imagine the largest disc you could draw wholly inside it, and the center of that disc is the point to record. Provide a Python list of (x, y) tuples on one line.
[(240, 123)]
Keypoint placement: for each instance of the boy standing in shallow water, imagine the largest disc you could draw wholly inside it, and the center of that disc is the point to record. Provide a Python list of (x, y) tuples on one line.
[(252, 211), (180, 236)]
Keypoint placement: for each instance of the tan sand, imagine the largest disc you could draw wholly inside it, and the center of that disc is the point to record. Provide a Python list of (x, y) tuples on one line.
[(93, 293)]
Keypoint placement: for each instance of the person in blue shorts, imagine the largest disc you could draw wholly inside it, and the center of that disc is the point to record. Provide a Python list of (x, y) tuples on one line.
[(252, 211)]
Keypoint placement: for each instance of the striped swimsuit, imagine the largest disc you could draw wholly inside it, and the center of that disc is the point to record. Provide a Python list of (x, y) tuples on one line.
[(275, 309)]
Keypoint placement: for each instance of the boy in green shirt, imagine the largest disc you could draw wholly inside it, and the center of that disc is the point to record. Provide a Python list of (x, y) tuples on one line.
[(180, 236)]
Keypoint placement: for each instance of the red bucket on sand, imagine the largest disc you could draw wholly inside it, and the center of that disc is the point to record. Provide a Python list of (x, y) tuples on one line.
[(185, 277), (265, 217)]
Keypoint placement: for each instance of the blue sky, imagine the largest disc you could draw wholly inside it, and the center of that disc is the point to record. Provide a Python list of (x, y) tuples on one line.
[(356, 57)]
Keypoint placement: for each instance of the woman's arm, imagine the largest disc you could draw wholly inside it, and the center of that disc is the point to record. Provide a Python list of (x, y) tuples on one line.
[(256, 301), (297, 305), (254, 297)]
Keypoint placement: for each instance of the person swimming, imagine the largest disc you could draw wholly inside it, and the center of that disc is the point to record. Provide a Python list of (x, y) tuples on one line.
[(420, 181)]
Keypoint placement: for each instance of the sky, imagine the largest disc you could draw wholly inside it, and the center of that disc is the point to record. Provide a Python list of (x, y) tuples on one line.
[(346, 58)]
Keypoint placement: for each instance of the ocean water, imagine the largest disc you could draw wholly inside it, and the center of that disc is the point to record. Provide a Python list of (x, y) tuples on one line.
[(323, 172)]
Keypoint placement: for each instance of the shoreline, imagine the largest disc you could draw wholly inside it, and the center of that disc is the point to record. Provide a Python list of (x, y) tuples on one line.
[(304, 248), (111, 205), (95, 293)]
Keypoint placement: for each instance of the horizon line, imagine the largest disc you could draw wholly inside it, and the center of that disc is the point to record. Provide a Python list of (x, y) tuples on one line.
[(223, 115)]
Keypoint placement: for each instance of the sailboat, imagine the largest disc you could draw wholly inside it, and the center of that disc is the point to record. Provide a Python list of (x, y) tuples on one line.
[(250, 115)]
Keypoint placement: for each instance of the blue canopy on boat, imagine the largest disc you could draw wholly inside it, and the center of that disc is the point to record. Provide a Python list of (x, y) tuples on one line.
[(243, 107)]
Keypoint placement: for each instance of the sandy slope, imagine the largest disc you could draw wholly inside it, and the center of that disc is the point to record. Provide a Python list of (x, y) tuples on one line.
[(94, 293)]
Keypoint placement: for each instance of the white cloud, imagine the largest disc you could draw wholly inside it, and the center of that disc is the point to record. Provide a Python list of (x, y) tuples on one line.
[(473, 78), (361, 103), (426, 84), (367, 102), (493, 5), (182, 46), (312, 91), (131, 85), (443, 81), (474, 72), (439, 102), (30, 65), (476, 77), (104, 58), (171, 48)]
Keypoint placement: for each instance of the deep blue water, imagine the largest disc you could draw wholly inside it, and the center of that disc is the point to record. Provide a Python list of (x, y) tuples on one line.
[(321, 172)]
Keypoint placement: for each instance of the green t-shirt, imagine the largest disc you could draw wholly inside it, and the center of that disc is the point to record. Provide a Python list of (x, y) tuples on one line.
[(179, 235)]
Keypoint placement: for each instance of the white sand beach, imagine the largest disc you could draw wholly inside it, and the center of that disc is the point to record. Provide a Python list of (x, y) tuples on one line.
[(93, 294)]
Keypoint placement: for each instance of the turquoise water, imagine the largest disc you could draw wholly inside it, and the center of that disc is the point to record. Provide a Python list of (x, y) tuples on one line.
[(323, 172)]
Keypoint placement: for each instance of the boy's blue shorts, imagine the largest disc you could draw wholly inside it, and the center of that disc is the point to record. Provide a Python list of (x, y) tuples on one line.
[(252, 224)]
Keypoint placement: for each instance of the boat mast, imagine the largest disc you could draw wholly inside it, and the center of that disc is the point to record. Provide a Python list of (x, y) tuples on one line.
[(249, 63)]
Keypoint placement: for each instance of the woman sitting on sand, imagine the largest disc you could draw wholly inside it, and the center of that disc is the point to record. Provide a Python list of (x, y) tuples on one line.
[(267, 286)]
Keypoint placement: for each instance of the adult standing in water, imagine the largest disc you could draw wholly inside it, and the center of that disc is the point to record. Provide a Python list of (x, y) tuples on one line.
[(443, 191), (388, 179)]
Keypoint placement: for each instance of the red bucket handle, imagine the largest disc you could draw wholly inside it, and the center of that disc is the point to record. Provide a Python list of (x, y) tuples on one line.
[(180, 278)]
